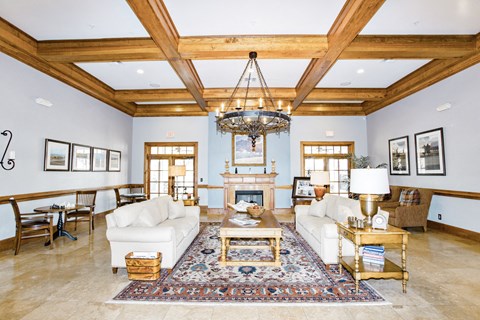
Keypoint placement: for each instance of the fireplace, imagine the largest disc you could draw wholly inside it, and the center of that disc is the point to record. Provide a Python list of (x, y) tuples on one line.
[(251, 196)]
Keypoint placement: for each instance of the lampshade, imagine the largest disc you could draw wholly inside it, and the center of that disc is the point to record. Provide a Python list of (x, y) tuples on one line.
[(369, 181), (320, 178), (176, 171)]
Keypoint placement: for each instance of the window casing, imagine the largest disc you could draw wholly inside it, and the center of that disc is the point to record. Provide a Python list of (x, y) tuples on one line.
[(333, 157)]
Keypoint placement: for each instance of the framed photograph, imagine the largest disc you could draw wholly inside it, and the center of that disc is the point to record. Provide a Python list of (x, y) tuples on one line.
[(99, 162), (399, 156), (114, 158), (244, 154), (57, 155), (81, 157), (430, 153), (302, 188)]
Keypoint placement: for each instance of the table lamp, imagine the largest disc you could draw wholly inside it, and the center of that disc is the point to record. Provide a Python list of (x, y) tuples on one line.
[(176, 171), (369, 183), (320, 179)]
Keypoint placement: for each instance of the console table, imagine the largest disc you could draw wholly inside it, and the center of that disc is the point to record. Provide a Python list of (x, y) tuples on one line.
[(360, 237)]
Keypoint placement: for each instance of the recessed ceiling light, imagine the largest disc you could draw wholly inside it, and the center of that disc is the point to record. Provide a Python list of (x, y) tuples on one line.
[(140, 71), (360, 71), (155, 85), (346, 83)]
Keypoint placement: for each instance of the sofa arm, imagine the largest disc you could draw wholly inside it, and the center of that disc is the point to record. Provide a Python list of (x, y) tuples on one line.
[(193, 211), (111, 222), (412, 215), (301, 210)]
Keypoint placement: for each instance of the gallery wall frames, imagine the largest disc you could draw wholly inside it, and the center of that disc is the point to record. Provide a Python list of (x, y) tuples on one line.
[(57, 155), (430, 153), (81, 157), (114, 160), (99, 162), (399, 156)]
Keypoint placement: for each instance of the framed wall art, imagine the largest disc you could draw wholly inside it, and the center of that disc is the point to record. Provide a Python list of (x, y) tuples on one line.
[(244, 155), (430, 152), (57, 155), (81, 157), (99, 162), (399, 156), (302, 188), (114, 158)]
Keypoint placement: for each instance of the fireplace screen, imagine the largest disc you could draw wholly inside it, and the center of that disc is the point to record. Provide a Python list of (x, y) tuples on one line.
[(252, 196)]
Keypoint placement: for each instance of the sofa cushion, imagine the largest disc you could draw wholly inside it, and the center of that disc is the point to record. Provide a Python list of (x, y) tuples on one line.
[(176, 209), (155, 209), (331, 201), (309, 223), (317, 208), (145, 219), (141, 234), (343, 213), (409, 197), (124, 216)]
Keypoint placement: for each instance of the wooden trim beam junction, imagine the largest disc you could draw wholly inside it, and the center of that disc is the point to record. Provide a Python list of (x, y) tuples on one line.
[(268, 47), (351, 20), (155, 18), (169, 110), (154, 95), (22, 47), (100, 50), (422, 78)]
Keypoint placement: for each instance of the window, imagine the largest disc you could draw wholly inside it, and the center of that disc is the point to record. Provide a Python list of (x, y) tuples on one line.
[(159, 156), (328, 156)]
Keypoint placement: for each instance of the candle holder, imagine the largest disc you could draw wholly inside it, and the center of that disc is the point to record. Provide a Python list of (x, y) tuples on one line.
[(227, 166), (273, 166), (10, 161)]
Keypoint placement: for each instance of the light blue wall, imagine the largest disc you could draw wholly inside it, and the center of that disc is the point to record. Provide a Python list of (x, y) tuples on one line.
[(74, 117), (417, 113)]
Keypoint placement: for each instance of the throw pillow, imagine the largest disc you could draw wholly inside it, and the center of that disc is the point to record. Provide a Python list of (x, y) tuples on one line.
[(317, 208), (176, 209), (409, 197), (145, 219), (343, 213)]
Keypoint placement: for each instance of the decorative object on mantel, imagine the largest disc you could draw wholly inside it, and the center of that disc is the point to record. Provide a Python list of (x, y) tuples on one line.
[(240, 117), (273, 166), (227, 167), (369, 183), (320, 179), (11, 156)]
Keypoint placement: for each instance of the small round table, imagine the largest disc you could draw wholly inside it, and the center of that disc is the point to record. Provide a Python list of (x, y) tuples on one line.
[(60, 210)]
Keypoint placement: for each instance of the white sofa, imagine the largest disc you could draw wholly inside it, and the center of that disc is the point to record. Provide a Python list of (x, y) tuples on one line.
[(316, 224), (159, 224)]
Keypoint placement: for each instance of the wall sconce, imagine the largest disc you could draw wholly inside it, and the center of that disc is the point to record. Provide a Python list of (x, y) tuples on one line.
[(11, 158)]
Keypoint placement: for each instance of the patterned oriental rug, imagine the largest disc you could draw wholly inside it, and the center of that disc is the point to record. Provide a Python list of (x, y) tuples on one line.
[(302, 278)]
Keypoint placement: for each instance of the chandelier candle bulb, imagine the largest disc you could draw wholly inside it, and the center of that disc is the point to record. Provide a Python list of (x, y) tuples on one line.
[(260, 106), (238, 104), (217, 112), (279, 106), (12, 155)]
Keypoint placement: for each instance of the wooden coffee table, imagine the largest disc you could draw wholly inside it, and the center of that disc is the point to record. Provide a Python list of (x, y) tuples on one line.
[(268, 228)]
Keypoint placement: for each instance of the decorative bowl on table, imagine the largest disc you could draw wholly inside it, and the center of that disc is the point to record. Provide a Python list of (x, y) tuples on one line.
[(255, 211)]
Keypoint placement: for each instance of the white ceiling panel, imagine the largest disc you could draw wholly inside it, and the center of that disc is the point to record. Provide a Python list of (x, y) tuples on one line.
[(368, 73), (426, 17), (226, 73), (125, 75), (72, 19), (220, 17)]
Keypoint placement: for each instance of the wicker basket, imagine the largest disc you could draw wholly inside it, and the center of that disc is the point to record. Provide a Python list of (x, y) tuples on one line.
[(255, 212)]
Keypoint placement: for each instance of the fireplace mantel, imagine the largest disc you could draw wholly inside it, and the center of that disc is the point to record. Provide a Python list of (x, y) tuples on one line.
[(253, 181)]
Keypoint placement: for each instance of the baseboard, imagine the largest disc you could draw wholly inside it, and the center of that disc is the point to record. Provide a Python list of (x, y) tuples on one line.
[(472, 235), (7, 244)]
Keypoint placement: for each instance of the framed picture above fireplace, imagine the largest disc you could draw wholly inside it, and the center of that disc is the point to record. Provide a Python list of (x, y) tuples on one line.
[(244, 155)]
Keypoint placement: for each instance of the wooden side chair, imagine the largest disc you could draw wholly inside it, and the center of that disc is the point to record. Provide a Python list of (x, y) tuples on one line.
[(138, 190), (31, 225), (86, 198), (120, 201)]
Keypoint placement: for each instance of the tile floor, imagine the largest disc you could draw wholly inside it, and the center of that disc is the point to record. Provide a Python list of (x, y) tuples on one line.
[(74, 281)]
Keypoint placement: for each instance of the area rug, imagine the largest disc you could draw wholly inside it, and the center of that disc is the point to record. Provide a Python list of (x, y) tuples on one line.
[(302, 278)]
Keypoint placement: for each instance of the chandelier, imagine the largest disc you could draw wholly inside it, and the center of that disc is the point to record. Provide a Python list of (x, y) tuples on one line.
[(249, 116)]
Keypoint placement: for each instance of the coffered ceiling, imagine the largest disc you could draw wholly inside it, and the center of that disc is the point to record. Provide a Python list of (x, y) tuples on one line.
[(183, 57)]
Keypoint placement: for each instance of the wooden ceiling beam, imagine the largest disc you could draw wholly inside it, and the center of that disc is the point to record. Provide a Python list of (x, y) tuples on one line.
[(22, 47), (154, 95), (254, 93), (267, 47), (352, 19), (169, 110), (155, 18), (422, 78), (100, 50), (360, 94), (409, 47)]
